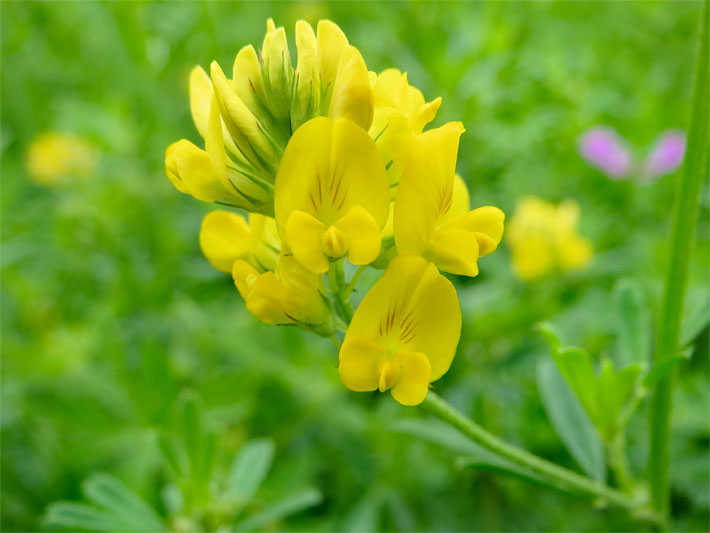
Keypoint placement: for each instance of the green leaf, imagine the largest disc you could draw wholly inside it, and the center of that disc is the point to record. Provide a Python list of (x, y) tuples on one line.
[(81, 516), (249, 469), (364, 516), (577, 367), (551, 336), (632, 324), (287, 506), (108, 492), (193, 429), (615, 389), (570, 420), (170, 455)]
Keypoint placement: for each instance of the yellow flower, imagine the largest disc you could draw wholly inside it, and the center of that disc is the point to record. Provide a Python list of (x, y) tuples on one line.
[(543, 238), (289, 295), (226, 237), (247, 121), (55, 157), (431, 213), (331, 194), (404, 334), (211, 175), (331, 77), (400, 116)]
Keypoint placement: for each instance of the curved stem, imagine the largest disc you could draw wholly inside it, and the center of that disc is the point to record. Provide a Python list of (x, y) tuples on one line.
[(561, 476)]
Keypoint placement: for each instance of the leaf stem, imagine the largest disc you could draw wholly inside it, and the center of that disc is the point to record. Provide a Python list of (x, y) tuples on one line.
[(685, 215), (561, 476)]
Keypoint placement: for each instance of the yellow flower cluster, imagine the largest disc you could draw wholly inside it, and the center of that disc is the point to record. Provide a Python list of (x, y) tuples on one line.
[(332, 163), (543, 238), (54, 158)]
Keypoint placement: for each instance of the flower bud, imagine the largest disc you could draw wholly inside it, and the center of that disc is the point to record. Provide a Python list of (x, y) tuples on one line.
[(334, 243)]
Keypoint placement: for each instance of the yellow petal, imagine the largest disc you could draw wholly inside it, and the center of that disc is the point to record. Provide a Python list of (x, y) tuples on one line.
[(412, 308), (246, 76), (307, 91), (214, 145), (352, 95), (265, 243), (425, 114), (304, 235), (328, 167), (200, 98), (267, 300), (276, 60), (413, 383), (305, 303), (460, 202), (426, 188), (224, 238), (241, 123), (389, 88), (455, 251), (244, 275), (359, 363), (486, 223), (190, 169), (363, 235), (331, 44)]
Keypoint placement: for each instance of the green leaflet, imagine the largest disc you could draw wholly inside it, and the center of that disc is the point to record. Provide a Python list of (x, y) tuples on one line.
[(603, 394), (248, 470), (570, 420), (632, 324), (115, 508)]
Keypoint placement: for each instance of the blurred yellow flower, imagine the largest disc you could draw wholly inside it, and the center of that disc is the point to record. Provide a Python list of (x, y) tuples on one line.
[(289, 295), (247, 121), (226, 237), (404, 334), (54, 157), (543, 238), (431, 211), (332, 197)]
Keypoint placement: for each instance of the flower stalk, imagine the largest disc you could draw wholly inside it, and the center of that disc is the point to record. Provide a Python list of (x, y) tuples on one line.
[(685, 215), (557, 475)]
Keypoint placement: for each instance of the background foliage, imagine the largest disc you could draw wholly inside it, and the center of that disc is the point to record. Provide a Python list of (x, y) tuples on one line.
[(111, 316)]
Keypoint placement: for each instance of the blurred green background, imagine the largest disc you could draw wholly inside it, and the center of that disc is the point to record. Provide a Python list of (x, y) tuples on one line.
[(111, 317)]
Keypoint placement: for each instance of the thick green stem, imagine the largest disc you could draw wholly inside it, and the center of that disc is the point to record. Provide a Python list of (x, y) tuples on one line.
[(685, 214), (560, 476)]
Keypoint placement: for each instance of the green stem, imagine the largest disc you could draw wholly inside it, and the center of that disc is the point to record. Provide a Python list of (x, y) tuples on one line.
[(685, 214), (336, 286), (619, 463), (560, 476), (351, 286)]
